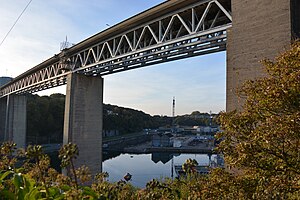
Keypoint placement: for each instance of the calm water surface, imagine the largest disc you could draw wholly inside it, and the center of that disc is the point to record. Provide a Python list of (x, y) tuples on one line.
[(145, 167)]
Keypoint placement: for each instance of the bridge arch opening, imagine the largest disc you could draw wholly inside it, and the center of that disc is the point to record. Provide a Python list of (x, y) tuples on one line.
[(198, 83)]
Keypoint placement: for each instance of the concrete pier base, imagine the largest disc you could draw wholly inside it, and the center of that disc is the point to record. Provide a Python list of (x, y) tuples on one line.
[(83, 119), (18, 122), (13, 119)]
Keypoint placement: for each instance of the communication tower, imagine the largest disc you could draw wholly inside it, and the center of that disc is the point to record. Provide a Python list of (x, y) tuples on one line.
[(173, 130), (210, 118), (173, 110)]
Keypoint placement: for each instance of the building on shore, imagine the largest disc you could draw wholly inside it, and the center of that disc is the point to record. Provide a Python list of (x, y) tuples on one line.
[(162, 140)]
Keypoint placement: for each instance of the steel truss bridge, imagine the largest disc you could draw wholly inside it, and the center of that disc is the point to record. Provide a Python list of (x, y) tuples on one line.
[(173, 30)]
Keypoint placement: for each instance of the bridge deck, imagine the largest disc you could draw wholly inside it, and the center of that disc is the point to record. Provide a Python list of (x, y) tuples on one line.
[(172, 30)]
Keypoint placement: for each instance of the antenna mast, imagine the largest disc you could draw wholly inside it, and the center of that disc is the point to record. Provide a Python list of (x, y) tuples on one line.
[(173, 130), (65, 44), (173, 110)]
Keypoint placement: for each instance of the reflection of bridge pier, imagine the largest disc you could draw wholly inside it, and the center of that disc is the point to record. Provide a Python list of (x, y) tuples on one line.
[(83, 119)]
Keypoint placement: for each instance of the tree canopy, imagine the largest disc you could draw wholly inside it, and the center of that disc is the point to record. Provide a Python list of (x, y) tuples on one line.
[(262, 142), (45, 118)]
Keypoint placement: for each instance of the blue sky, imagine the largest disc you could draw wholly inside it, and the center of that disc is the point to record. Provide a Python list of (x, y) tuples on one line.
[(197, 83)]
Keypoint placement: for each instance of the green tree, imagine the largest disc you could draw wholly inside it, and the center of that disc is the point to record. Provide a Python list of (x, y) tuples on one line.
[(195, 113), (262, 142), (45, 118)]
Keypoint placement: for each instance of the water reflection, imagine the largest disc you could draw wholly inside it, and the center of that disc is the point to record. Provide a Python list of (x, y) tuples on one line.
[(142, 167), (161, 157), (145, 167)]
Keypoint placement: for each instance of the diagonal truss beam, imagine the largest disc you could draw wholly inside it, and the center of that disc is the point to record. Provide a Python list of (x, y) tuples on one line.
[(193, 30)]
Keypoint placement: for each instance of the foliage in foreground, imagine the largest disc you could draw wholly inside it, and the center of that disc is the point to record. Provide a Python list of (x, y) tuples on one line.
[(263, 141), (36, 180), (261, 145)]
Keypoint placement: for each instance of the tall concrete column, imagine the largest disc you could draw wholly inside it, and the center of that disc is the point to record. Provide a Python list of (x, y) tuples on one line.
[(260, 29), (2, 118), (83, 119), (13, 119), (18, 120)]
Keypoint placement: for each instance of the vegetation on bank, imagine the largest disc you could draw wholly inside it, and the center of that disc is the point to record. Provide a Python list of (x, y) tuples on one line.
[(261, 146), (45, 116)]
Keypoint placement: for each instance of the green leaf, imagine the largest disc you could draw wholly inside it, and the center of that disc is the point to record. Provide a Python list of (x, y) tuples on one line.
[(88, 191), (17, 181), (55, 193), (65, 187), (5, 174), (33, 194), (6, 194)]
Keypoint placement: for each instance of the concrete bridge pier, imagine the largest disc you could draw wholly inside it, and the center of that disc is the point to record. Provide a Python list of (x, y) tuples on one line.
[(260, 29), (3, 102), (13, 119), (83, 119)]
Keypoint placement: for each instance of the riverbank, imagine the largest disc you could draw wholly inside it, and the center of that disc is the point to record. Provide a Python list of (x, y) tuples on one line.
[(142, 143), (120, 143), (206, 148)]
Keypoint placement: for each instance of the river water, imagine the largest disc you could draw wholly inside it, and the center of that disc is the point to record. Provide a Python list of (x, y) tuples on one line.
[(145, 167)]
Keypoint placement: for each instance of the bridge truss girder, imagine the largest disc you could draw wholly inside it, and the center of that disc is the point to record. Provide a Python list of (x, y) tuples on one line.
[(194, 30)]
